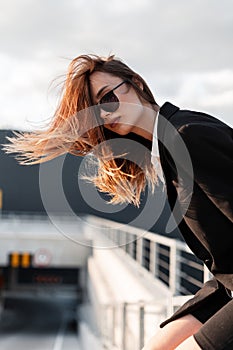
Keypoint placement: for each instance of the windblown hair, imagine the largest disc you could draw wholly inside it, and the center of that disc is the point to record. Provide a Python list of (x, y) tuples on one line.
[(75, 129)]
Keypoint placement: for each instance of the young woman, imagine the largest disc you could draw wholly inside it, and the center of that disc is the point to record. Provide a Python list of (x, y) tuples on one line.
[(124, 107)]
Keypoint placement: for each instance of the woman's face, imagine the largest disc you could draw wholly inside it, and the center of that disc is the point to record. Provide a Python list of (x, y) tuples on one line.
[(130, 114)]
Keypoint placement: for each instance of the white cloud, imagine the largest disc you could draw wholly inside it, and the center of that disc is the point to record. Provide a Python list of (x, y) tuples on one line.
[(25, 96), (183, 49), (211, 92)]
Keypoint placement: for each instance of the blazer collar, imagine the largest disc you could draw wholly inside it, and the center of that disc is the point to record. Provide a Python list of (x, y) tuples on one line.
[(165, 113), (168, 109)]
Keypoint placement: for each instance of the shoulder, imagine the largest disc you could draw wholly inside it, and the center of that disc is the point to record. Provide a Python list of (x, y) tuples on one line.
[(181, 117), (199, 134), (188, 120), (194, 126)]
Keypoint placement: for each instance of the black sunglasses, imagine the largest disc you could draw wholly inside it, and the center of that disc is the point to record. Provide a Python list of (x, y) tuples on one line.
[(110, 102)]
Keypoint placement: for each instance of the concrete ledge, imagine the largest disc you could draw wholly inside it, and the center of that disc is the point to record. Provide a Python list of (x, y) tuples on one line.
[(124, 280), (114, 280)]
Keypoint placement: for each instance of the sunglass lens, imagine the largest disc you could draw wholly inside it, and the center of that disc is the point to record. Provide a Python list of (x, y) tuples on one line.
[(109, 102)]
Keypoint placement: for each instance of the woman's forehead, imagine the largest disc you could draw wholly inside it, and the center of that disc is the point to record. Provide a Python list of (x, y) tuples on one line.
[(100, 79)]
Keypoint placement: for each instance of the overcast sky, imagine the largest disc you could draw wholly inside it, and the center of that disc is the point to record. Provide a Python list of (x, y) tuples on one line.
[(183, 49)]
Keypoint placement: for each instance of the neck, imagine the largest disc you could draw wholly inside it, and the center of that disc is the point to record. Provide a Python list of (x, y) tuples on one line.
[(145, 125)]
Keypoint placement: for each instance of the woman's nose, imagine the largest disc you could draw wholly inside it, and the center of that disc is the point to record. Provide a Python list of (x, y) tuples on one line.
[(104, 115)]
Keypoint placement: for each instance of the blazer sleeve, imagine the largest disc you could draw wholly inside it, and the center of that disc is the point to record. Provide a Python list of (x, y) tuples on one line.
[(205, 303)]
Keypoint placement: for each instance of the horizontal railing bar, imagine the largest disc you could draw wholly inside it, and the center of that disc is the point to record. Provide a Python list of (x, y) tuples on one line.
[(184, 290), (154, 237), (190, 279), (163, 251), (164, 264), (163, 276), (190, 263), (145, 303)]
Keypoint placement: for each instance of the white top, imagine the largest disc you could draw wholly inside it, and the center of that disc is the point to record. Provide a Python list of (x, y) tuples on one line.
[(155, 156)]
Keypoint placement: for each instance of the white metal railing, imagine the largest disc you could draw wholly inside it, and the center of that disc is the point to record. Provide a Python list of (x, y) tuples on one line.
[(127, 326), (167, 259)]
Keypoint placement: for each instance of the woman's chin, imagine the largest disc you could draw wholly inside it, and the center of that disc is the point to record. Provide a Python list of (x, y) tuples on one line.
[(120, 129)]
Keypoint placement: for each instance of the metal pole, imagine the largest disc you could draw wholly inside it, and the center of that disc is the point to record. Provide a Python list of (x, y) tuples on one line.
[(140, 251), (141, 326), (113, 324), (153, 259), (173, 269), (124, 311)]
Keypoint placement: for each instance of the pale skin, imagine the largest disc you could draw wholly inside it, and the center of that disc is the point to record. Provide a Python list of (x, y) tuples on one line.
[(132, 116), (177, 335)]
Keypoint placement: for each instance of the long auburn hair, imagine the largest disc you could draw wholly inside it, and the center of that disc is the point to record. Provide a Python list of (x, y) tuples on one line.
[(75, 129)]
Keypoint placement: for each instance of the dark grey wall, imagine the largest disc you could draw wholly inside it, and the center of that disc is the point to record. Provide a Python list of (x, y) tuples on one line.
[(21, 192)]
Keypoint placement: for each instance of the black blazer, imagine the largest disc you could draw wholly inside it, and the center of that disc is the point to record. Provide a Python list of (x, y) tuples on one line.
[(207, 224)]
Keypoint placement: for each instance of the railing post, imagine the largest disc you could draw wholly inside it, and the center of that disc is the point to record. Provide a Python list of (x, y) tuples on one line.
[(131, 248), (173, 280), (140, 251), (124, 311), (141, 326), (102, 320), (113, 323), (153, 259)]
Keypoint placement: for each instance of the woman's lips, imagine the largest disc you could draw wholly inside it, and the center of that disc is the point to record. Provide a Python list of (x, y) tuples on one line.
[(114, 122)]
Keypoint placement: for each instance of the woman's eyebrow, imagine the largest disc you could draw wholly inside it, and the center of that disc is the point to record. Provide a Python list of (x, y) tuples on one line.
[(99, 92)]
